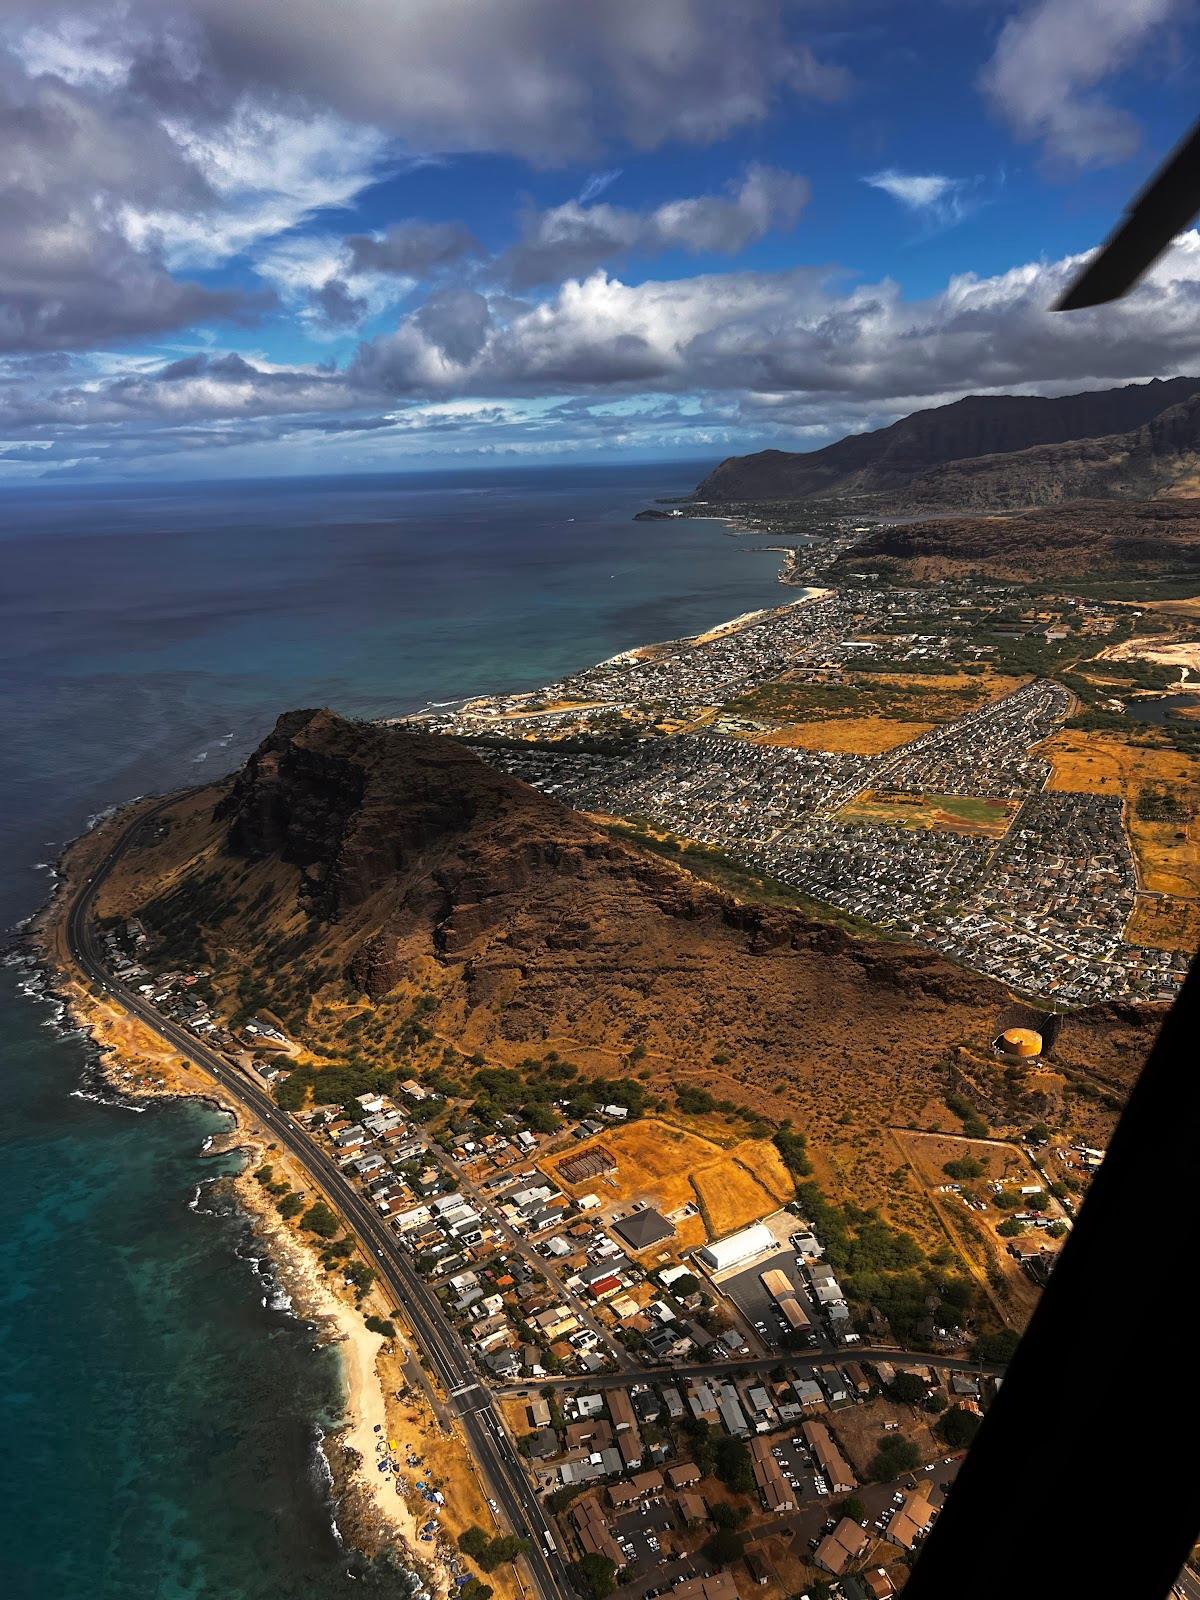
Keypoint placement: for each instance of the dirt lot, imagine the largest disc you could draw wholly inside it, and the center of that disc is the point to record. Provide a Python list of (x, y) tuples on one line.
[(860, 1428), (1168, 852), (669, 1167), (1165, 923)]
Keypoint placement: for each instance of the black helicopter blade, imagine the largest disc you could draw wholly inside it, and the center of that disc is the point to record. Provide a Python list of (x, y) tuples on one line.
[(1165, 206)]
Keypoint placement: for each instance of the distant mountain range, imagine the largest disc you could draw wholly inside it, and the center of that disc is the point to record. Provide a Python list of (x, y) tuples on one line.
[(996, 452)]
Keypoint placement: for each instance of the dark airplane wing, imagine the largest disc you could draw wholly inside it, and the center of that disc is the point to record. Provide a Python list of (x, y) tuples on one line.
[(1165, 206)]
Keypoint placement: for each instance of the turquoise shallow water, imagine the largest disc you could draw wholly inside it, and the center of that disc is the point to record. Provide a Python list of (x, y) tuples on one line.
[(159, 1412)]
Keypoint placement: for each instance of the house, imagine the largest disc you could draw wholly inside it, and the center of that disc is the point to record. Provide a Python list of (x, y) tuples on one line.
[(647, 1405), (838, 1549), (877, 1584), (777, 1493), (730, 1407), (809, 1393), (835, 1469), (757, 1565), (720, 1586), (684, 1475), (638, 1488), (620, 1409), (539, 1413), (595, 1433), (693, 1508), (593, 1532), (834, 1385), (912, 1520)]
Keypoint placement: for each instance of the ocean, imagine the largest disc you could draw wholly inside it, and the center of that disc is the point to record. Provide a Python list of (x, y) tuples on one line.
[(160, 1407)]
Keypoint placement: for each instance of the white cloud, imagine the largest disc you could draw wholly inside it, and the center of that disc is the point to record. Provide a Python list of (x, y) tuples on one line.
[(1048, 61), (269, 170), (573, 239)]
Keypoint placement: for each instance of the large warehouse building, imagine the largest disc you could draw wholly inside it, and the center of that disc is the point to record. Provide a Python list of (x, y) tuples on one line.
[(737, 1247)]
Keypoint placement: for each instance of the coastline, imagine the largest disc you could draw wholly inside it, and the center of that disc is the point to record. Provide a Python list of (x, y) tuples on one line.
[(377, 1514)]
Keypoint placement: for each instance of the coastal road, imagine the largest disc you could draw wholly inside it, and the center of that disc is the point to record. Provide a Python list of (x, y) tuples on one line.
[(493, 1450)]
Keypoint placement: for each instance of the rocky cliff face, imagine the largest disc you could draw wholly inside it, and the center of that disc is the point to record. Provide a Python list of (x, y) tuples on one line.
[(1160, 457), (974, 430)]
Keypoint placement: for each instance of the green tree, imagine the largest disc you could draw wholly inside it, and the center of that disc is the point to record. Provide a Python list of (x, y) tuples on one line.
[(319, 1219), (965, 1168), (895, 1455), (473, 1542), (958, 1427), (725, 1546), (908, 1387), (683, 1286), (727, 1515), (998, 1345), (853, 1508), (290, 1205), (732, 1464), (594, 1576), (1010, 1228)]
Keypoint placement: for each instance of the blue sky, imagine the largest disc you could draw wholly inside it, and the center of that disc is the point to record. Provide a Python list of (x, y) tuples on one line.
[(398, 233)]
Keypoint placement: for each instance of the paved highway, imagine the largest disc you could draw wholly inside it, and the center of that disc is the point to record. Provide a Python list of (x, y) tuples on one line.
[(493, 1451)]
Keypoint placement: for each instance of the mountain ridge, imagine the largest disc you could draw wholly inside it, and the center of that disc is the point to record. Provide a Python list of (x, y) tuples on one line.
[(925, 447)]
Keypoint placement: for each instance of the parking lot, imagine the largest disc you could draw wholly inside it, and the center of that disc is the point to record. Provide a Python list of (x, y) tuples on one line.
[(746, 1290), (796, 1464), (639, 1530)]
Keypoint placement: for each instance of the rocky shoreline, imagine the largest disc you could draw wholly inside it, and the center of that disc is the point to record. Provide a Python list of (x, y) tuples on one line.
[(379, 1526)]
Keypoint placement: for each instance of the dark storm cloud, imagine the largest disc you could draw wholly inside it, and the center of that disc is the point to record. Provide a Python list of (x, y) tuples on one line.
[(69, 275), (535, 78), (411, 249)]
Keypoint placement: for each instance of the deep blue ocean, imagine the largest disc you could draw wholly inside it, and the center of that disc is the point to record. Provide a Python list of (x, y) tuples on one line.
[(158, 1411)]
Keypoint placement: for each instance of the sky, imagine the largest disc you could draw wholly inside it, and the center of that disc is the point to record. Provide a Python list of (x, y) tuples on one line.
[(241, 238)]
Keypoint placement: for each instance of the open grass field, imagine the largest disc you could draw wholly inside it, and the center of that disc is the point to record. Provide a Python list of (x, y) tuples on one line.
[(857, 736), (866, 712), (1168, 852), (747, 1184), (949, 813), (670, 1167)]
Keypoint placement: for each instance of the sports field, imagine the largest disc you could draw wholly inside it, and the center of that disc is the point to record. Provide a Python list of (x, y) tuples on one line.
[(951, 813)]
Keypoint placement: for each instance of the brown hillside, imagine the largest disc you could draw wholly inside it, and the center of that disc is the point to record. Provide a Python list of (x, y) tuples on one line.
[(355, 868), (1088, 539)]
